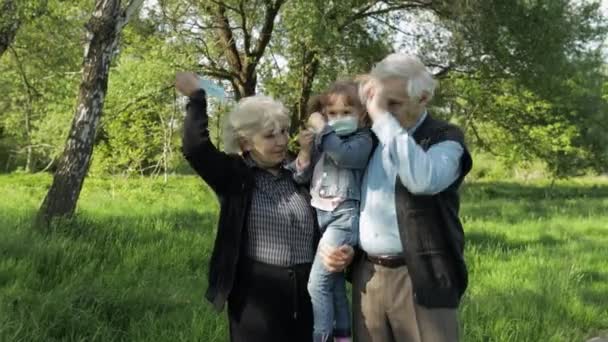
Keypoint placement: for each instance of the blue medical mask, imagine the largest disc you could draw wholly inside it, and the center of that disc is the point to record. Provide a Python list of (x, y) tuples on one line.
[(345, 125)]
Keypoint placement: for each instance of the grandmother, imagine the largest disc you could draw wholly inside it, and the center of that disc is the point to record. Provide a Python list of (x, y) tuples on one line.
[(266, 235)]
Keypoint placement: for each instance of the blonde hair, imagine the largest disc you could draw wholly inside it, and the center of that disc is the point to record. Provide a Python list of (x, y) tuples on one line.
[(251, 115), (409, 68), (349, 90)]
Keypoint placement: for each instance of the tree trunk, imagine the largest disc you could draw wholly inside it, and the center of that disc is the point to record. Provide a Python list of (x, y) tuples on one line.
[(27, 113), (28, 139), (104, 29), (242, 64), (9, 24), (244, 86), (310, 67)]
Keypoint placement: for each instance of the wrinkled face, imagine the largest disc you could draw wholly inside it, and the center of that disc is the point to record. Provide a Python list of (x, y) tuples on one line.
[(268, 147), (338, 108), (405, 109)]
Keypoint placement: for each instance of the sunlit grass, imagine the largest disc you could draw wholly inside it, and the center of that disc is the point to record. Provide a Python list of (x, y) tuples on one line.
[(132, 265)]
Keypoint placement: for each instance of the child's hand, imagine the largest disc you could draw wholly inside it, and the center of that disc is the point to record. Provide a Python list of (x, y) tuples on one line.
[(316, 121)]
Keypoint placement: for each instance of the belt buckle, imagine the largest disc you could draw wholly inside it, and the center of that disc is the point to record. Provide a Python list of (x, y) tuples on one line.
[(384, 262)]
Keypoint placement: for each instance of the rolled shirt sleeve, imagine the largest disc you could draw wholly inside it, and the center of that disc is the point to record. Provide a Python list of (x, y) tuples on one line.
[(421, 172)]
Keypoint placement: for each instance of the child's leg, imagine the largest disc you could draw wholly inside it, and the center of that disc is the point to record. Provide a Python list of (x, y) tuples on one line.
[(332, 314), (320, 288), (342, 313), (342, 327)]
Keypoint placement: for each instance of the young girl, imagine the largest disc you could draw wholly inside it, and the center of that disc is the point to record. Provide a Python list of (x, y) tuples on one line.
[(333, 156)]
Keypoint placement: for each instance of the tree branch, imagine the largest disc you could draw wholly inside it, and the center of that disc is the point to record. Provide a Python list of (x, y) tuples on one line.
[(246, 35), (408, 5), (224, 4), (219, 73), (144, 97), (272, 9), (391, 26), (9, 26), (214, 69), (469, 122), (227, 38), (443, 69), (30, 89), (129, 11)]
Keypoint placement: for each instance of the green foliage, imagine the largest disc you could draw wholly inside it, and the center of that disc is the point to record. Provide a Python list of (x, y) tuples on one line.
[(515, 124), (132, 266), (326, 30), (39, 80), (139, 132), (526, 79), (536, 89)]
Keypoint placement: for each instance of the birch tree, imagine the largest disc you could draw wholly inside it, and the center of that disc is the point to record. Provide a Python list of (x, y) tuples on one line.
[(103, 33)]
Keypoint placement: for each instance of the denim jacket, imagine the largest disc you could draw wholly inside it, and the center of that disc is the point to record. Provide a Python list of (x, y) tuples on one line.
[(344, 162)]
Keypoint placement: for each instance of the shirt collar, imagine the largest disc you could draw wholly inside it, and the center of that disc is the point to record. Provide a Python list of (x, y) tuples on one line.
[(248, 160), (421, 119), (252, 164)]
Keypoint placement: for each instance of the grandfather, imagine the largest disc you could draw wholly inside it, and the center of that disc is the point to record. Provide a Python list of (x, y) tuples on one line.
[(410, 277)]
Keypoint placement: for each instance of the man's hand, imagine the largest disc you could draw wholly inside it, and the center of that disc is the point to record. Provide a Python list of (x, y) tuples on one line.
[(316, 121), (187, 83), (336, 259), (372, 93)]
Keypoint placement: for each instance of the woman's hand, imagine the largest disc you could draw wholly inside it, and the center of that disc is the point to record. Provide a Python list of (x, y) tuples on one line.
[(187, 83), (305, 138), (336, 259)]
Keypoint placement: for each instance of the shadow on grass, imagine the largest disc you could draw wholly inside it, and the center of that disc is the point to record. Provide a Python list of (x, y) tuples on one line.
[(137, 230), (492, 242), (95, 278), (507, 190), (523, 314), (515, 211), (105, 243), (596, 297)]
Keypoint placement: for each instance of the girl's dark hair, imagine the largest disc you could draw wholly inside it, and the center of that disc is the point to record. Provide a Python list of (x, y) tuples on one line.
[(348, 89)]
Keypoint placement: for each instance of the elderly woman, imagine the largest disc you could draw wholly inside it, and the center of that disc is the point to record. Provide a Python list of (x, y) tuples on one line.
[(266, 234)]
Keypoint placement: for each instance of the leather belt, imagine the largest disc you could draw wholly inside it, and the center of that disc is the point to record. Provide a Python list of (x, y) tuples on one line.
[(390, 261)]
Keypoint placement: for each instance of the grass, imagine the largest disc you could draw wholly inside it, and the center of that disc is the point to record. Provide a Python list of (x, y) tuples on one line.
[(132, 265)]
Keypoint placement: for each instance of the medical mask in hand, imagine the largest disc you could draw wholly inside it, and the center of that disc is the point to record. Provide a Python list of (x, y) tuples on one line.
[(212, 89), (345, 125)]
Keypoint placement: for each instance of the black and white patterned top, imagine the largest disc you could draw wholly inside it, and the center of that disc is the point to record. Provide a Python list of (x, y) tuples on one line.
[(280, 225)]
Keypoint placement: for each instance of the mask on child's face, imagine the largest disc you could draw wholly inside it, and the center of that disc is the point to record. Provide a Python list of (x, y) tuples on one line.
[(344, 125)]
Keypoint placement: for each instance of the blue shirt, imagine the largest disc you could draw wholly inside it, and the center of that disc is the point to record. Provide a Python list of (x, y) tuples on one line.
[(422, 172)]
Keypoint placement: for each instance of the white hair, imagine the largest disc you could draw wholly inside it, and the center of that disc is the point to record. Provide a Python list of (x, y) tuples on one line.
[(409, 68), (251, 115)]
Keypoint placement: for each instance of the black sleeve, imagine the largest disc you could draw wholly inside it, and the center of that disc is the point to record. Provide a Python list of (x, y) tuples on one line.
[(217, 168)]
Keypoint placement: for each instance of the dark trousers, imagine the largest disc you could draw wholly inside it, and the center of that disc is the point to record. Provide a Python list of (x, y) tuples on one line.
[(270, 303)]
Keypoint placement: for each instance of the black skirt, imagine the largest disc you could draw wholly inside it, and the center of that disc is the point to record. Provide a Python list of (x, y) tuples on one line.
[(270, 303)]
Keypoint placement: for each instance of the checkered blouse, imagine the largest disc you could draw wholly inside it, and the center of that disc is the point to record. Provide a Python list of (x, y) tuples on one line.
[(280, 225)]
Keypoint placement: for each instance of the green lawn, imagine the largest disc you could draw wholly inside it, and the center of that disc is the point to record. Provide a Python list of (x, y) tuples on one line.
[(132, 266)]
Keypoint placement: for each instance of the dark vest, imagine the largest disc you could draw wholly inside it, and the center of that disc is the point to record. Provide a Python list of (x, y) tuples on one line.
[(430, 229)]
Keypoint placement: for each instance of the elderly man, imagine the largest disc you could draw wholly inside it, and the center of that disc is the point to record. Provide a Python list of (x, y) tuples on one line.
[(408, 283)]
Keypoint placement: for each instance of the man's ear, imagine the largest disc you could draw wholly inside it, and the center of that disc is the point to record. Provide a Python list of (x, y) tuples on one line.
[(424, 99)]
